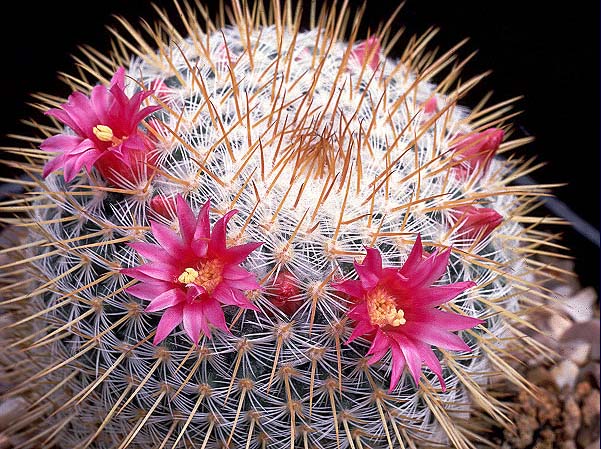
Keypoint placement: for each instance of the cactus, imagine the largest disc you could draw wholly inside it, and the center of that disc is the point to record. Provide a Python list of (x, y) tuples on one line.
[(259, 236)]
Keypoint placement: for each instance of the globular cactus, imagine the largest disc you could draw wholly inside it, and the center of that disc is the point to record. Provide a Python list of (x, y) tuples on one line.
[(258, 236)]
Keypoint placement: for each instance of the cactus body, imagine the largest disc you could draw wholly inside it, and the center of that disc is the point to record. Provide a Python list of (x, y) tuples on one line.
[(325, 147)]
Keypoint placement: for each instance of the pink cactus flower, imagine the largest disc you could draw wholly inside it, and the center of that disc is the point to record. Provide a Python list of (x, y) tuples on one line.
[(396, 309), (285, 293), (364, 49), (476, 222), (473, 153), (107, 133), (192, 275)]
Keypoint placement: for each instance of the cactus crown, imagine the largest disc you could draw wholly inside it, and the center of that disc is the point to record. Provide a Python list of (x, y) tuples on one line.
[(375, 231)]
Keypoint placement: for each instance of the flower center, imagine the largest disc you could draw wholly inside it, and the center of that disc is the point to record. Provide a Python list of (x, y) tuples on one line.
[(207, 275), (105, 134), (382, 310)]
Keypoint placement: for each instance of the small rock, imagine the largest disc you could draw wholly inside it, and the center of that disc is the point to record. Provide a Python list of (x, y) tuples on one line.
[(558, 324), (580, 306), (565, 374), (592, 372), (582, 390), (571, 418), (577, 351), (568, 445), (588, 331), (590, 408), (10, 410)]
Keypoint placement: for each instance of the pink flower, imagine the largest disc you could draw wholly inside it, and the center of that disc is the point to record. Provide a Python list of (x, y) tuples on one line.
[(191, 275), (368, 49), (107, 134), (474, 152), (476, 222), (396, 309)]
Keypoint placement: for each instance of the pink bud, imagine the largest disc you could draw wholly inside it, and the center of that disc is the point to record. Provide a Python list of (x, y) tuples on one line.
[(364, 49), (476, 222), (283, 292), (475, 152), (430, 106), (165, 206)]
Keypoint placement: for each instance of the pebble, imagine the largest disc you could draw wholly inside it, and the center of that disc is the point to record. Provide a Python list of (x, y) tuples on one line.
[(580, 306), (565, 374)]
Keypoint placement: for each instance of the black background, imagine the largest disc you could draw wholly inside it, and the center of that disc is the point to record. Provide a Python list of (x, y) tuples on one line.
[(550, 55)]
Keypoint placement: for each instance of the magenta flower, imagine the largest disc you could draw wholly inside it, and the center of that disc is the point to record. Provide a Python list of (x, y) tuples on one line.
[(107, 133), (368, 49), (476, 222), (396, 309), (191, 275), (474, 152)]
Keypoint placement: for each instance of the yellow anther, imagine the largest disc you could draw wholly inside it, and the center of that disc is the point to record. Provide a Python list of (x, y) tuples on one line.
[(103, 132), (382, 309), (188, 276)]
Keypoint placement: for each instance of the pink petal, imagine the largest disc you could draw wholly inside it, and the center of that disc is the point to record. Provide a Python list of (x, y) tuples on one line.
[(414, 259), (80, 110), (160, 271), (446, 320), (237, 254), (53, 165), (379, 346), (148, 290), (187, 220), (438, 337), (118, 78), (435, 296), (214, 315), (248, 283), (350, 287), (202, 233), (169, 321), (153, 252), (168, 239), (361, 328), (398, 365), (373, 261), (431, 269), (167, 299), (193, 320), (368, 278), (99, 98), (432, 362), (413, 356), (217, 244), (61, 143)]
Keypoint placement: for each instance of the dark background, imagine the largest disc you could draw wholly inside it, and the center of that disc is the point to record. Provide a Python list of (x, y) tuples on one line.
[(549, 55)]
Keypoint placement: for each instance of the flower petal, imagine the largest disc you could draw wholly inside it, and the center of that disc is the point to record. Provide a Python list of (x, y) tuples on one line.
[(148, 290), (193, 320), (167, 299), (169, 321), (398, 365), (167, 238), (187, 220), (237, 254), (217, 244)]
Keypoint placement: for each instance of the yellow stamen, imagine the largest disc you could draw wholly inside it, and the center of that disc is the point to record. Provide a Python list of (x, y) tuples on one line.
[(207, 275), (382, 309), (188, 276), (103, 132)]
